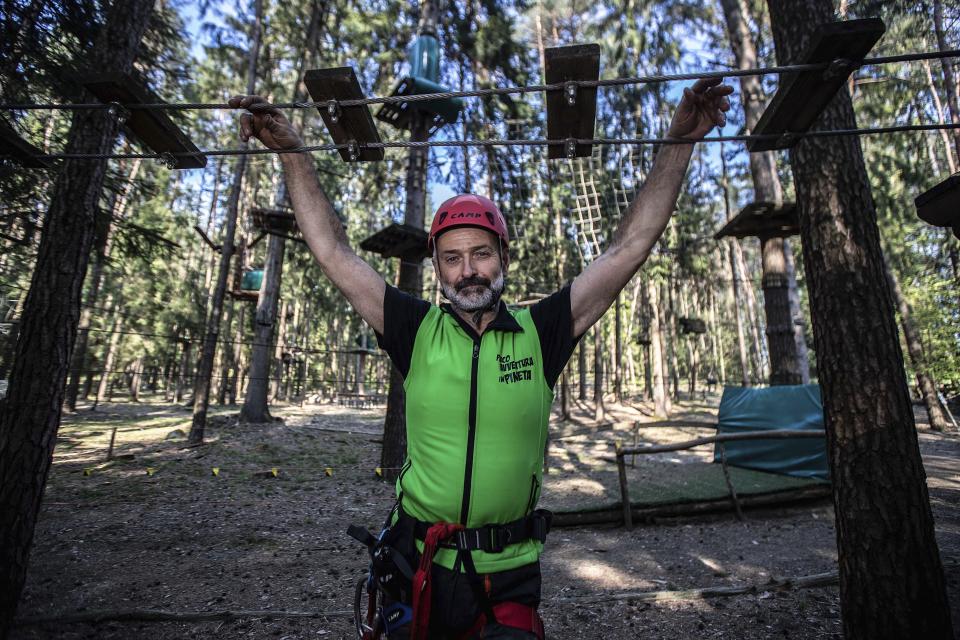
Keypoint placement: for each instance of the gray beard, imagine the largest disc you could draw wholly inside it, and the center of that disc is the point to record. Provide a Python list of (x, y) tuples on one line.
[(474, 302)]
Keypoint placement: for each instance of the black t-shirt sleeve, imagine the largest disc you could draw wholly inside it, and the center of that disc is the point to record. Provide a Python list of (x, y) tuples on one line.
[(554, 321), (402, 315)]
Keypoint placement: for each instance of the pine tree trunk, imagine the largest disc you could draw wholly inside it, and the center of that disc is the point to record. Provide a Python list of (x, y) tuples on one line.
[(78, 361), (394, 450), (782, 344), (201, 390), (661, 397), (597, 372), (255, 407), (925, 381), (30, 414), (949, 84), (891, 577), (110, 358), (582, 371)]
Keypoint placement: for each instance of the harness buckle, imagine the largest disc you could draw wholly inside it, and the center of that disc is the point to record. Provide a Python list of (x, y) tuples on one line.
[(496, 539)]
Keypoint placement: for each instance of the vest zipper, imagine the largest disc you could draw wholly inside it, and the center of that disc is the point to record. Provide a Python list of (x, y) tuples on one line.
[(471, 435)]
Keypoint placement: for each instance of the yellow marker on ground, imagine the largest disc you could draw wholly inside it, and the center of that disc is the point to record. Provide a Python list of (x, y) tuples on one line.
[(328, 471), (275, 472), (88, 471), (379, 472), (215, 471), (151, 471)]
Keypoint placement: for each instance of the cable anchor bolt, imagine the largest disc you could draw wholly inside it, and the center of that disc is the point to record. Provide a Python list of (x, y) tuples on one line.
[(353, 150), (570, 90), (839, 68), (787, 140), (570, 147), (333, 110), (118, 111), (167, 159)]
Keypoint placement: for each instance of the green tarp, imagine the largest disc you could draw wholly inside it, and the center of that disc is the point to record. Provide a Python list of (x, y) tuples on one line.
[(775, 408)]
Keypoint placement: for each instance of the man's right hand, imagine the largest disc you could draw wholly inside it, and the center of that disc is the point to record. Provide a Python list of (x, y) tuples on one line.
[(266, 123)]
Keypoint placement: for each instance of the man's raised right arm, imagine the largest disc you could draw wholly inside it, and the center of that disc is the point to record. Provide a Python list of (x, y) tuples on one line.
[(362, 286)]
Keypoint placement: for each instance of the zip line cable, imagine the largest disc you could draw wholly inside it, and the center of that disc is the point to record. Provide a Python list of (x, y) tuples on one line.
[(475, 93), (407, 144), (168, 157)]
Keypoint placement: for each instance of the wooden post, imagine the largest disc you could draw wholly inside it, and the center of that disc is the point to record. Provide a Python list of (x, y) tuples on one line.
[(726, 477), (624, 490), (113, 437)]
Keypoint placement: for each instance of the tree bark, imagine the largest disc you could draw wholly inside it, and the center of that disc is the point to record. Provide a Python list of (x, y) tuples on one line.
[(110, 358), (78, 361), (30, 414), (201, 390), (661, 397), (598, 372), (782, 345), (891, 577), (255, 407), (394, 450)]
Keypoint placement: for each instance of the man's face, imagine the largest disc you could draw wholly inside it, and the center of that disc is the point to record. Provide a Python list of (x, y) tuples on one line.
[(469, 267)]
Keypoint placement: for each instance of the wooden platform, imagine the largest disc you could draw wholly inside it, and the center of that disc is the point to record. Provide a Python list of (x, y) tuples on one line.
[(398, 241), (571, 113), (152, 127), (763, 219), (347, 125), (940, 205), (22, 152), (803, 96)]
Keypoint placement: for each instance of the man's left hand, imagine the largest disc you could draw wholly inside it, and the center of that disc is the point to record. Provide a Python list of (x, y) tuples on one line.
[(701, 109)]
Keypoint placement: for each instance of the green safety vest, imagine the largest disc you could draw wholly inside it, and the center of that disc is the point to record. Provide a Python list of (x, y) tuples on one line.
[(477, 418)]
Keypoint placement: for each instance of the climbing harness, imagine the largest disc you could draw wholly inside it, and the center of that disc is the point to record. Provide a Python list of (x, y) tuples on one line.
[(390, 573)]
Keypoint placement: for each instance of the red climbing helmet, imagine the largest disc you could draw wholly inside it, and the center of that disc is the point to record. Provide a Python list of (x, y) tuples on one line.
[(466, 210)]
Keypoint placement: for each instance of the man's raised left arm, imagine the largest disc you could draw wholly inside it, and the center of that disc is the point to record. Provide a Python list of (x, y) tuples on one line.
[(594, 290)]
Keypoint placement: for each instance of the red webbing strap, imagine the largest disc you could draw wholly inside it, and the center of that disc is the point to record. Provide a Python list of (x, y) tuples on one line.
[(421, 579), (519, 616), (510, 614)]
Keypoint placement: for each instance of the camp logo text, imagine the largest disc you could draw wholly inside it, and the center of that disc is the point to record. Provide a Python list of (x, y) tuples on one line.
[(515, 370)]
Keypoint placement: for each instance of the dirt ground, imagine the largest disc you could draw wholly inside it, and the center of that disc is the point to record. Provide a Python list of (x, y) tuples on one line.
[(184, 530)]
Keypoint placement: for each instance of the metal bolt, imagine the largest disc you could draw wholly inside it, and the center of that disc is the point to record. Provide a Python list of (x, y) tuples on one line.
[(167, 159), (118, 111), (353, 150), (570, 89), (570, 145), (839, 68), (333, 110), (787, 139)]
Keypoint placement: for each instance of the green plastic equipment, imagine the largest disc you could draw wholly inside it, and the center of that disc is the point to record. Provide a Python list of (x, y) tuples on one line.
[(251, 280), (424, 57)]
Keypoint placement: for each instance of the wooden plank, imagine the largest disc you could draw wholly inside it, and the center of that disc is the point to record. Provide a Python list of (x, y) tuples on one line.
[(763, 220), (152, 127), (565, 120), (348, 124), (398, 241), (274, 220), (940, 205), (803, 96), (22, 152)]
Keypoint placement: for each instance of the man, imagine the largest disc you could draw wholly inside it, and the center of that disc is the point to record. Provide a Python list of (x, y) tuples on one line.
[(479, 382)]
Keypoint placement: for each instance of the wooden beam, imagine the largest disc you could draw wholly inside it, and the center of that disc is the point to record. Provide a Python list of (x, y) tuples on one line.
[(803, 96), (347, 125), (398, 241), (152, 127), (22, 152), (276, 221), (940, 205), (571, 113), (777, 434), (763, 220)]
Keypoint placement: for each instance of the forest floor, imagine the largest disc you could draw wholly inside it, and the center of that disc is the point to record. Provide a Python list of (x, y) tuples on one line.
[(168, 528)]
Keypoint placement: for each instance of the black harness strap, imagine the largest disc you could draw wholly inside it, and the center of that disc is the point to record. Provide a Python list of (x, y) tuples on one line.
[(494, 538)]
